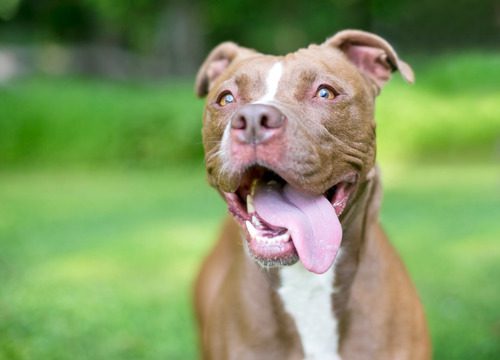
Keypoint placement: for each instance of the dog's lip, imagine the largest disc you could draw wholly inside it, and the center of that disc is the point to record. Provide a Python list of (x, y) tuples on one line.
[(339, 194)]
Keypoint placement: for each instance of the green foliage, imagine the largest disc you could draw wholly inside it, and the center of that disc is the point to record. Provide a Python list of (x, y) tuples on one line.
[(450, 113), (116, 17), (270, 26), (8, 8), (74, 121), (281, 29), (99, 265)]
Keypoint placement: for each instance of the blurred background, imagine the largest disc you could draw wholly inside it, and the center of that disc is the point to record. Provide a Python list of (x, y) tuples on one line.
[(104, 210)]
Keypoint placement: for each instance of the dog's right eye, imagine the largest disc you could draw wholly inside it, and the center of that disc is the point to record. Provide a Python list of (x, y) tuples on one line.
[(325, 92), (225, 98)]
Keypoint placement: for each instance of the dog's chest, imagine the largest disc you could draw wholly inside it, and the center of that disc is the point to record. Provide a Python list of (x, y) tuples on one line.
[(307, 298)]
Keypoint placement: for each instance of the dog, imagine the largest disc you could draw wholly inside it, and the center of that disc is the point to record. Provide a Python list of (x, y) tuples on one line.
[(302, 269)]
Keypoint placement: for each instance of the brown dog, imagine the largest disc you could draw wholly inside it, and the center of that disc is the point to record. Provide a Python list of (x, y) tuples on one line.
[(303, 268)]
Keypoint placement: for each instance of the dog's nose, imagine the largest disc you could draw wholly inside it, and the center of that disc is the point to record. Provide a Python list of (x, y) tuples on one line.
[(257, 123)]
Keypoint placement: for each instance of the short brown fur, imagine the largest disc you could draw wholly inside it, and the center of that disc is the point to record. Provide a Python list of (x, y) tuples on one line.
[(239, 312)]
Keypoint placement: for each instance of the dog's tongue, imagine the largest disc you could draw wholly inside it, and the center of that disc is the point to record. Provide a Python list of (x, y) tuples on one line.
[(311, 220)]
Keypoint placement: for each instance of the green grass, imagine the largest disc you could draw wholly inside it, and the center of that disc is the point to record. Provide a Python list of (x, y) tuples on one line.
[(444, 221), (99, 265)]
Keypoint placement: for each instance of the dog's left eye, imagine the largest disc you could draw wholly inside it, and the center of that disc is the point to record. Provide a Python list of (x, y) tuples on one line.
[(225, 98), (325, 92)]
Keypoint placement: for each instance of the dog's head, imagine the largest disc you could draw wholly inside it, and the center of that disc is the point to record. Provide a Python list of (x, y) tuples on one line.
[(289, 139)]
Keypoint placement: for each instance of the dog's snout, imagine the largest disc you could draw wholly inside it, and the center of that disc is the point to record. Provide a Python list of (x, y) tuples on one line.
[(256, 123)]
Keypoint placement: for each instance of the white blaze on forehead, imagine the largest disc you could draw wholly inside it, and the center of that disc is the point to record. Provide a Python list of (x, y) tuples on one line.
[(272, 81)]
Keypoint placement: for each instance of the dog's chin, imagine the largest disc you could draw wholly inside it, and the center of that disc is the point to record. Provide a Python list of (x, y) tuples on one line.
[(271, 245), (271, 256)]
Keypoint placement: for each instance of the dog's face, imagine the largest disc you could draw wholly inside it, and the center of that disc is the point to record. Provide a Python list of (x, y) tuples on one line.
[(289, 139)]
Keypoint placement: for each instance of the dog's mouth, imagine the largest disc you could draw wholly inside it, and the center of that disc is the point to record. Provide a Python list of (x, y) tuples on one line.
[(284, 224)]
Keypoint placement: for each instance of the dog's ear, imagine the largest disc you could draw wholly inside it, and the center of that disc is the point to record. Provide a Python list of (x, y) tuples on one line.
[(216, 63), (372, 55)]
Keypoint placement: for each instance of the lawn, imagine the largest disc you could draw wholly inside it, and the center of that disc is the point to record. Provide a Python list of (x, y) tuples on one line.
[(99, 265)]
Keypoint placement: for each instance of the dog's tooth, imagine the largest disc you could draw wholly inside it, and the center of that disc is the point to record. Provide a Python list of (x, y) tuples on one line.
[(283, 238), (253, 186), (280, 238), (250, 206), (262, 239), (340, 202), (258, 224), (251, 229)]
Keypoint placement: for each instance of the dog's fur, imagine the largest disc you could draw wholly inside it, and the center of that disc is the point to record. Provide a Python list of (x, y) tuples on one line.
[(367, 308)]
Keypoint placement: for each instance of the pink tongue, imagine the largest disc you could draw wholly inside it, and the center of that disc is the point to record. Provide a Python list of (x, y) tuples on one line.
[(313, 224)]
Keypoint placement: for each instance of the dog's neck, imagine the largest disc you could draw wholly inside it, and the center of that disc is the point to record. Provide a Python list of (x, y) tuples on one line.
[(317, 303), (365, 211)]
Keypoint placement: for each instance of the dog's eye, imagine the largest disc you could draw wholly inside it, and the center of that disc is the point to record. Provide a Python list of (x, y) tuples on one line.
[(225, 98), (325, 92)]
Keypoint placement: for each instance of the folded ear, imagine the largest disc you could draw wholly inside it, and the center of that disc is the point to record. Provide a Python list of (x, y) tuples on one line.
[(216, 63), (373, 56)]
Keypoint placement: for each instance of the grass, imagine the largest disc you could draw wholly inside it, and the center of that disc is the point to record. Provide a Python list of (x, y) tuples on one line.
[(99, 265), (444, 221)]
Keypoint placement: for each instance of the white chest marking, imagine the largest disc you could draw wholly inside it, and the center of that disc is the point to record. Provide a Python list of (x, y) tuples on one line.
[(307, 297), (272, 81)]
